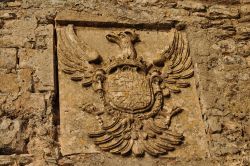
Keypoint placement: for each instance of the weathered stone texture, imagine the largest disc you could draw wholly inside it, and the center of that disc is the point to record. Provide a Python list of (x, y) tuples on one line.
[(11, 136), (8, 58), (27, 133), (218, 31)]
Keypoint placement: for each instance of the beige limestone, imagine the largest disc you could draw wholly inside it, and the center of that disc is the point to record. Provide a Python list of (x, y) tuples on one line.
[(218, 34)]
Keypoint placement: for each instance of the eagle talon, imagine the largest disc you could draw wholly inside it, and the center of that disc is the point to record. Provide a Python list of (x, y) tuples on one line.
[(169, 114)]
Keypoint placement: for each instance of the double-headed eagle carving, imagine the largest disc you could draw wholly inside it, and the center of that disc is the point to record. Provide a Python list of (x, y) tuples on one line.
[(132, 91)]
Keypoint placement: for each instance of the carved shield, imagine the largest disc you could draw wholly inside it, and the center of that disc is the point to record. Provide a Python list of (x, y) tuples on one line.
[(128, 91)]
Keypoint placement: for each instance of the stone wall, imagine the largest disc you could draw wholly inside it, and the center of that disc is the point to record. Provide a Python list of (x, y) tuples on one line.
[(218, 31)]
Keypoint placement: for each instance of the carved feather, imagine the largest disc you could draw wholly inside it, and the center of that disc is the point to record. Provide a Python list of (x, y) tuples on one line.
[(155, 129), (111, 144), (149, 149), (118, 149), (76, 58), (175, 63), (111, 125), (103, 139), (97, 134), (164, 145), (127, 148), (153, 138)]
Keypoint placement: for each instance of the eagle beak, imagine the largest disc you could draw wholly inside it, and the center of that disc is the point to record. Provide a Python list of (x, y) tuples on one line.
[(112, 37)]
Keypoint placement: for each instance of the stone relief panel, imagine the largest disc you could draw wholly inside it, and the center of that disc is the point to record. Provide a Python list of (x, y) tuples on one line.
[(127, 92)]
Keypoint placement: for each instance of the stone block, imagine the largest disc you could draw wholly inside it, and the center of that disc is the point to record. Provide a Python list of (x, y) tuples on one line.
[(243, 31), (245, 9), (22, 159), (222, 12), (8, 15), (176, 13), (8, 58), (191, 5), (31, 103), (76, 122), (214, 125), (9, 83), (25, 79), (41, 61), (11, 136), (14, 4), (21, 33), (14, 41)]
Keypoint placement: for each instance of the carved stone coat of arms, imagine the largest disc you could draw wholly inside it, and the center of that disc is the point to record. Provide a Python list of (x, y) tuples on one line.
[(133, 119)]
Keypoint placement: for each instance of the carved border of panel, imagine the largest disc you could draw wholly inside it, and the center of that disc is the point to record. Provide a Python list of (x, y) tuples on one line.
[(133, 119)]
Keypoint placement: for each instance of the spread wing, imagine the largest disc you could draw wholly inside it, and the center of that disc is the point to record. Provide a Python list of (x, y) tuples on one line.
[(175, 63), (76, 58)]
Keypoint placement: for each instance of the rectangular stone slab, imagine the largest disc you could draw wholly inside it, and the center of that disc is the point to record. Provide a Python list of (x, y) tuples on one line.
[(75, 123)]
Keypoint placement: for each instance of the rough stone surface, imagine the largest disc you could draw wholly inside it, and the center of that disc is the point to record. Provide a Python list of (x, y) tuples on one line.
[(8, 58), (11, 136), (220, 12), (218, 34), (75, 123), (191, 5)]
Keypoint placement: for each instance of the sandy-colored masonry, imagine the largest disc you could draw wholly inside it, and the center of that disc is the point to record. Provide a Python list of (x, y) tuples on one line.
[(217, 125)]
